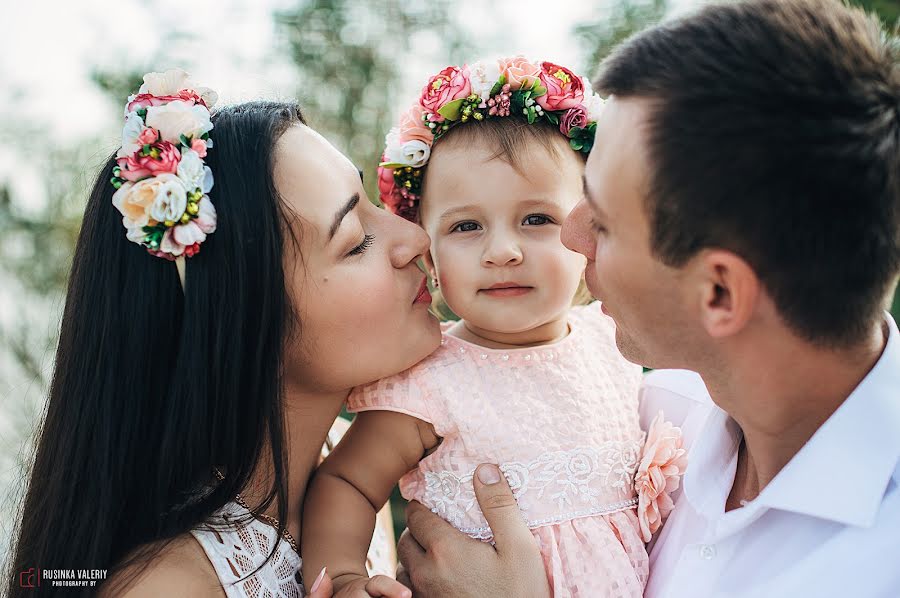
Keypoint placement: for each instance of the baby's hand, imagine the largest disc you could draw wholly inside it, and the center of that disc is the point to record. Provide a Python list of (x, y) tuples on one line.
[(380, 586)]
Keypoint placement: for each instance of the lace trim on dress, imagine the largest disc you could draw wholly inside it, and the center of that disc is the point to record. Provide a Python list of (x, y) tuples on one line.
[(553, 488), (237, 551)]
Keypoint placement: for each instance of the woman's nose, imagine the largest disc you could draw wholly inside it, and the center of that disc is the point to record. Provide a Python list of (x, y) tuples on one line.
[(412, 242)]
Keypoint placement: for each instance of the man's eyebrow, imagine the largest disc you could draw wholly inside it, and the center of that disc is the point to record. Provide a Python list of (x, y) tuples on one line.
[(584, 189), (339, 216), (595, 207)]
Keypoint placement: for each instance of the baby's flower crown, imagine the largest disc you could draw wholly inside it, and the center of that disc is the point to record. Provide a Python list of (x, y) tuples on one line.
[(161, 181), (489, 89)]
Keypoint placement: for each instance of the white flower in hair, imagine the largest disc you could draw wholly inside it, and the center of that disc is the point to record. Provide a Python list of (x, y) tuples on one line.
[(413, 153), (194, 174), (172, 82), (134, 125), (171, 199), (483, 76), (178, 118), (593, 103)]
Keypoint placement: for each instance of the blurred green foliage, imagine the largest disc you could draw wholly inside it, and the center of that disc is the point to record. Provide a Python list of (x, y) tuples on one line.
[(350, 57)]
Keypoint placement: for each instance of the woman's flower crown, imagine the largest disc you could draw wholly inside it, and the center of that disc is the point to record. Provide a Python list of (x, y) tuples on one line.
[(161, 180), (490, 89)]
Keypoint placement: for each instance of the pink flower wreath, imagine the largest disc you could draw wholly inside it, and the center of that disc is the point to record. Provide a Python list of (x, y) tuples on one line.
[(489, 89)]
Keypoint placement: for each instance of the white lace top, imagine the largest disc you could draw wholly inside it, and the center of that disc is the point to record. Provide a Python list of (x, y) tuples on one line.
[(236, 551), (237, 545)]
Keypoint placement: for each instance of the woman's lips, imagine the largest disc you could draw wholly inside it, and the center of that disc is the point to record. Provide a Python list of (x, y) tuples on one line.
[(506, 289), (423, 296)]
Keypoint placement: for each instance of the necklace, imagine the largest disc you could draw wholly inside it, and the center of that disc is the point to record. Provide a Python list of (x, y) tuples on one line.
[(267, 519)]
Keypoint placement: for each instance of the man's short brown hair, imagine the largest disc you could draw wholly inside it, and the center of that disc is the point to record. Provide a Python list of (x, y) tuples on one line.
[(775, 133)]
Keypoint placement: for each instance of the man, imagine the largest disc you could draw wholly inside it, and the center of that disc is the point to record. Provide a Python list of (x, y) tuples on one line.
[(741, 220)]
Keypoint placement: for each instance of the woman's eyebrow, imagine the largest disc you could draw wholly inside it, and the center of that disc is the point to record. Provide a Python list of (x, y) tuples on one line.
[(339, 216)]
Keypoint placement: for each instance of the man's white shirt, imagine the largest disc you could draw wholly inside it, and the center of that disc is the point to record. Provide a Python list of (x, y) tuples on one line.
[(827, 525)]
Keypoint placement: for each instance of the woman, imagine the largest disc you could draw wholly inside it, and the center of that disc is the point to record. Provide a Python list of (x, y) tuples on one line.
[(169, 399)]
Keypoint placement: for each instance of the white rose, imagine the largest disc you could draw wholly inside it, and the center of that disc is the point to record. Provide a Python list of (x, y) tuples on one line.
[(413, 153), (483, 76), (134, 125), (171, 198), (165, 84), (179, 118), (193, 173), (593, 103)]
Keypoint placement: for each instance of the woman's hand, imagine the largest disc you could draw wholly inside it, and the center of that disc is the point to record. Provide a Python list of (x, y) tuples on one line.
[(380, 586), (441, 561)]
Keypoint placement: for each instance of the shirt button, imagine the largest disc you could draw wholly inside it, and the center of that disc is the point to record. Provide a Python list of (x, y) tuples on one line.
[(708, 552)]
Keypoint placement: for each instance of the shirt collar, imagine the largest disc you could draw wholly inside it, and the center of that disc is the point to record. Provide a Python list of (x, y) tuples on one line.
[(842, 472)]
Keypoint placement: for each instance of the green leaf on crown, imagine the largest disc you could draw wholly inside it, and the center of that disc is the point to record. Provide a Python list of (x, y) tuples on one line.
[(552, 118), (536, 89), (498, 85), (185, 141), (450, 110), (576, 145), (394, 165), (575, 133)]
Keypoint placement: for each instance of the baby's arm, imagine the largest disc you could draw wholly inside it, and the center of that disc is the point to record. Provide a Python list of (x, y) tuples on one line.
[(351, 485)]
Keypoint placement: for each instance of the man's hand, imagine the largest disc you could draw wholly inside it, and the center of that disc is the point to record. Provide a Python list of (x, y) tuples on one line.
[(442, 561)]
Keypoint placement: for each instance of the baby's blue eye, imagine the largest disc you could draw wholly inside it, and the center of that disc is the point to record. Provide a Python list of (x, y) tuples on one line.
[(537, 220), (465, 227)]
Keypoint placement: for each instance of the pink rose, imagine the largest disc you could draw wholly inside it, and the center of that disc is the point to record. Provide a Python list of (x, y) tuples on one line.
[(663, 462), (412, 128), (148, 136), (574, 117), (387, 187), (450, 84), (137, 167), (565, 89), (519, 72), (199, 146)]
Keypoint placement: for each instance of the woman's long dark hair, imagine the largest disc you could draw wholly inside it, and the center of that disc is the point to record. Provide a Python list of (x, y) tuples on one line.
[(154, 387)]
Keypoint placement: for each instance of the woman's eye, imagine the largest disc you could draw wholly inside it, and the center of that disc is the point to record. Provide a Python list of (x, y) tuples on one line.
[(361, 248), (537, 220), (465, 227)]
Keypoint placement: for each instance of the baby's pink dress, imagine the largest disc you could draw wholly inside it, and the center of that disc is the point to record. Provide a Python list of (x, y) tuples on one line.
[(562, 422)]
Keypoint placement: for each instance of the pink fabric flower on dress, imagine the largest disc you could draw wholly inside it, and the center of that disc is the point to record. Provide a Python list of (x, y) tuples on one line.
[(662, 464), (450, 84), (565, 89)]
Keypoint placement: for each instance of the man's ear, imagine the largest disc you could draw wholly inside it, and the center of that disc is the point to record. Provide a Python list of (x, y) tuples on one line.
[(728, 291)]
